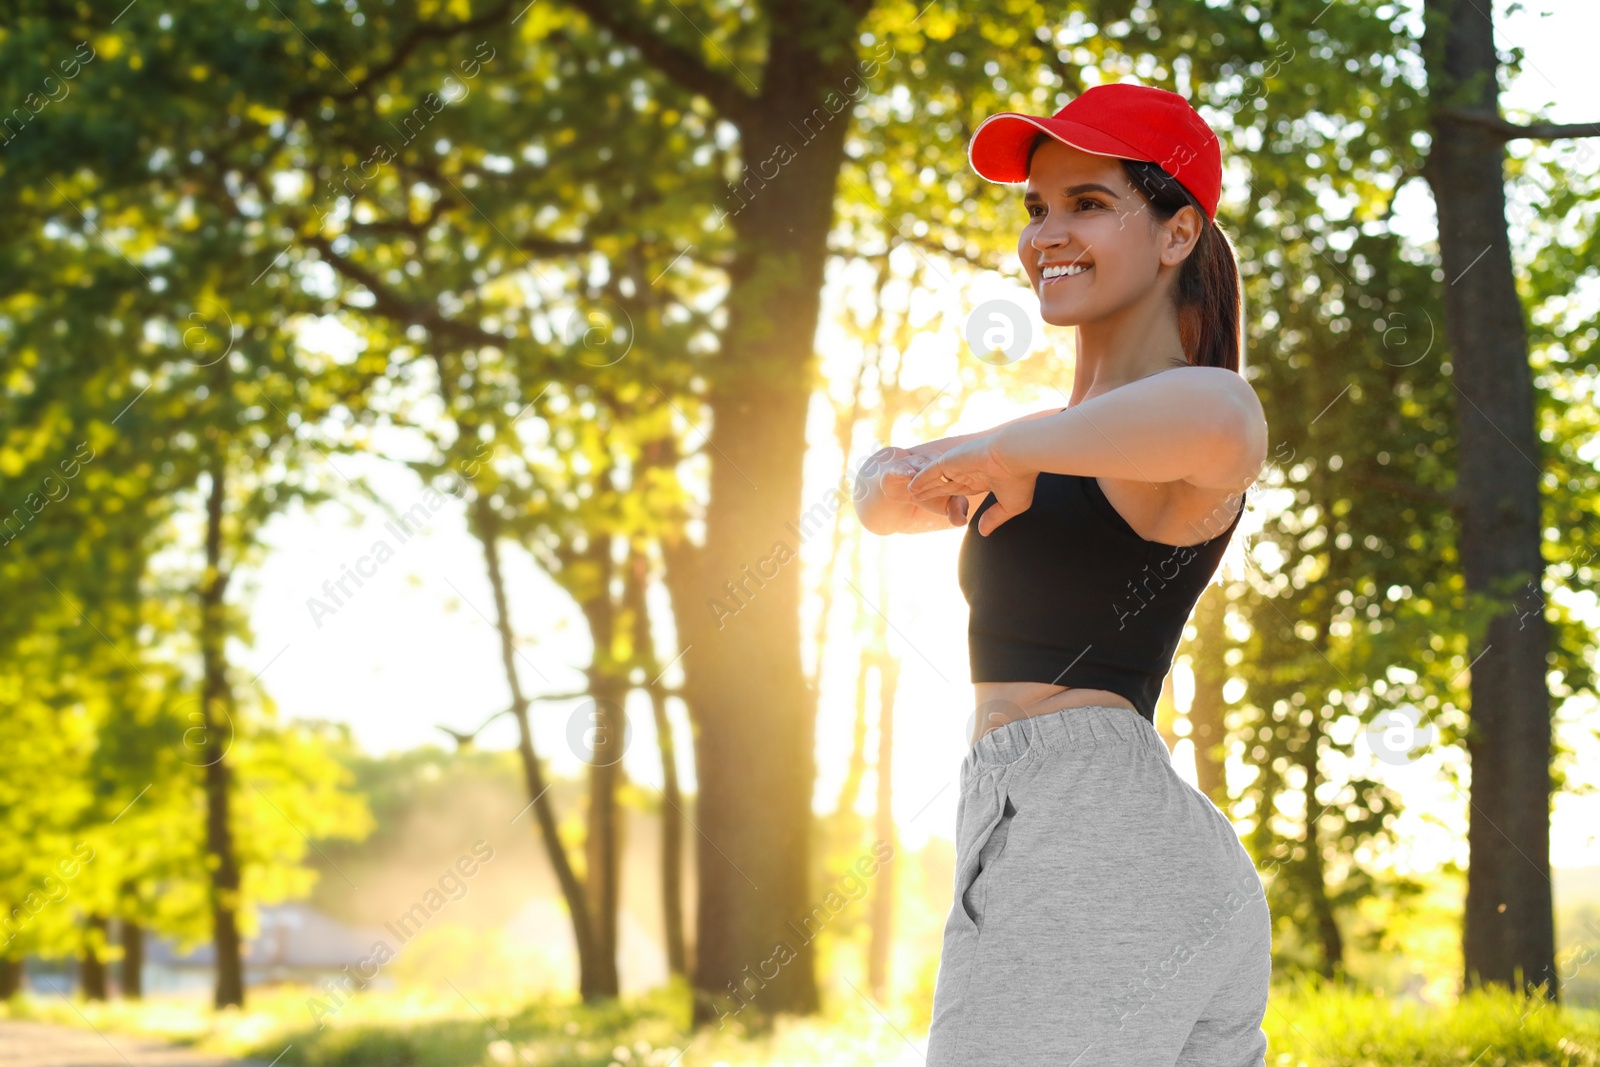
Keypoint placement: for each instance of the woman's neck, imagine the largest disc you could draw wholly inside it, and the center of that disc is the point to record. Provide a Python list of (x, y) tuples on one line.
[(1134, 342)]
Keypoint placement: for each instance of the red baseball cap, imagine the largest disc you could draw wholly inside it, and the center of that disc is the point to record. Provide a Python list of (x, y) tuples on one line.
[(1123, 120)]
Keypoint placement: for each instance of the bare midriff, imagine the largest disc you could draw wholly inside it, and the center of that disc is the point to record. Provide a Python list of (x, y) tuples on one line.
[(998, 703)]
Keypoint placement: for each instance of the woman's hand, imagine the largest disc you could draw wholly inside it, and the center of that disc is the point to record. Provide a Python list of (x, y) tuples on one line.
[(898, 467), (973, 469)]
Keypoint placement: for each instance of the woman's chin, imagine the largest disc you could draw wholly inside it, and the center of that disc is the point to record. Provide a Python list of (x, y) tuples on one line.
[(1054, 316)]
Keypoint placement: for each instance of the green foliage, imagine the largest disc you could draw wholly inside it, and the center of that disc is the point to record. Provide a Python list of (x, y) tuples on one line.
[(1317, 1023), (297, 791), (164, 358), (1308, 1023), (561, 234)]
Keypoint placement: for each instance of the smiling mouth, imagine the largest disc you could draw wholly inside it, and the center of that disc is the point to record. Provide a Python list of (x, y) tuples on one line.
[(1077, 273)]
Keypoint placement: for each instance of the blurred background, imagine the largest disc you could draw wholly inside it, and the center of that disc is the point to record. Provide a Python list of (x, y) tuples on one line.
[(437, 628)]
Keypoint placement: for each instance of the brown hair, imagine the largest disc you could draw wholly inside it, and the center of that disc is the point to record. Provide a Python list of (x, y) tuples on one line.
[(1210, 300)]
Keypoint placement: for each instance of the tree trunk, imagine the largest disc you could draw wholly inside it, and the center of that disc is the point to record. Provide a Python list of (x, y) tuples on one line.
[(637, 605), (92, 964), (1327, 935), (737, 599), (880, 946), (10, 978), (131, 971), (671, 841), (855, 770), (604, 740), (1509, 931), (1207, 727), (603, 845), (1318, 607), (756, 712), (1166, 713), (596, 972), (215, 702), (872, 652)]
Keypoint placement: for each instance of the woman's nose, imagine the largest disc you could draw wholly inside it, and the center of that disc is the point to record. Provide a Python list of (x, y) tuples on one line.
[(1052, 232)]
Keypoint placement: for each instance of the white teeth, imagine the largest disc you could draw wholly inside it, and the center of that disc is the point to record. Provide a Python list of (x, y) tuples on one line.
[(1058, 272)]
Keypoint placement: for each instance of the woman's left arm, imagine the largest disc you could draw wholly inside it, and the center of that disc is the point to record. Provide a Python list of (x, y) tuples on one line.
[(1202, 425)]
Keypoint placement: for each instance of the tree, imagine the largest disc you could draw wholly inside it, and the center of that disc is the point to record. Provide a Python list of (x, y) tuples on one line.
[(1509, 931), (785, 70), (211, 394)]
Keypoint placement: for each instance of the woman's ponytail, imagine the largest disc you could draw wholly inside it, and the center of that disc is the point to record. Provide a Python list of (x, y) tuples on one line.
[(1208, 294)]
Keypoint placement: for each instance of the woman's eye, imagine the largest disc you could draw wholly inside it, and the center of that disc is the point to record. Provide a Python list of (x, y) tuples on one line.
[(1036, 210)]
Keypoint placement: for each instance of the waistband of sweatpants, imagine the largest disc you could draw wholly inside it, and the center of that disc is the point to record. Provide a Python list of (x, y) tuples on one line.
[(1068, 728)]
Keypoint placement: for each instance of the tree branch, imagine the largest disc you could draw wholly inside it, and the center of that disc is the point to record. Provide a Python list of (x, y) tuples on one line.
[(389, 303), (683, 67), (1511, 131), (550, 247), (938, 248), (425, 31), (436, 211)]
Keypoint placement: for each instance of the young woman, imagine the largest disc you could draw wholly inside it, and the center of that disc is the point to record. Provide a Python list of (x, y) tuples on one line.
[(1105, 912)]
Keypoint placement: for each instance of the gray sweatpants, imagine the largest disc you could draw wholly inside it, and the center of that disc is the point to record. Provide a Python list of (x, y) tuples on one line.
[(1105, 912)]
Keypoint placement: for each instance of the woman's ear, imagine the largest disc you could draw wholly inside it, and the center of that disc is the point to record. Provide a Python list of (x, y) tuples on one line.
[(1182, 234)]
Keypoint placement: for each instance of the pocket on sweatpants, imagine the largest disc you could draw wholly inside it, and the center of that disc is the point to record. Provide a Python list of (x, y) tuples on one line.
[(982, 857)]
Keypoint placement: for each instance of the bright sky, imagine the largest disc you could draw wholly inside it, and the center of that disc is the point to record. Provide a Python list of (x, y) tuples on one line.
[(414, 647)]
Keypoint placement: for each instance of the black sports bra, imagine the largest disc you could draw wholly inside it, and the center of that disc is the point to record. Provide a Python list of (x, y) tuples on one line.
[(1068, 593)]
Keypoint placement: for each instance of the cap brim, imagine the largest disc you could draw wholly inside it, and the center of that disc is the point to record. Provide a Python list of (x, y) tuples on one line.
[(999, 147)]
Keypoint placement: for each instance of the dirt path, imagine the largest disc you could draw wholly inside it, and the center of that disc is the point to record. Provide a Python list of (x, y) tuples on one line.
[(30, 1044)]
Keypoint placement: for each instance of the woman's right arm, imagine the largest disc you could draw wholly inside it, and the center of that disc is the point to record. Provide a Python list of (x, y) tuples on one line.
[(881, 500)]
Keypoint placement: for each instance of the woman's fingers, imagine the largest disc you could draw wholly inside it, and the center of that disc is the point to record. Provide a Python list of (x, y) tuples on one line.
[(905, 469), (929, 484), (953, 508), (992, 518), (947, 499), (895, 479)]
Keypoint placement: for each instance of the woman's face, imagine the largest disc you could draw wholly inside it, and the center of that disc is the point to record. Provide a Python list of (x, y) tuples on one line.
[(1084, 213)]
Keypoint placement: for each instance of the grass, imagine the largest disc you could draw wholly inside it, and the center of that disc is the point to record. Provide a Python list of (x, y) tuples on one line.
[(1308, 1024)]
